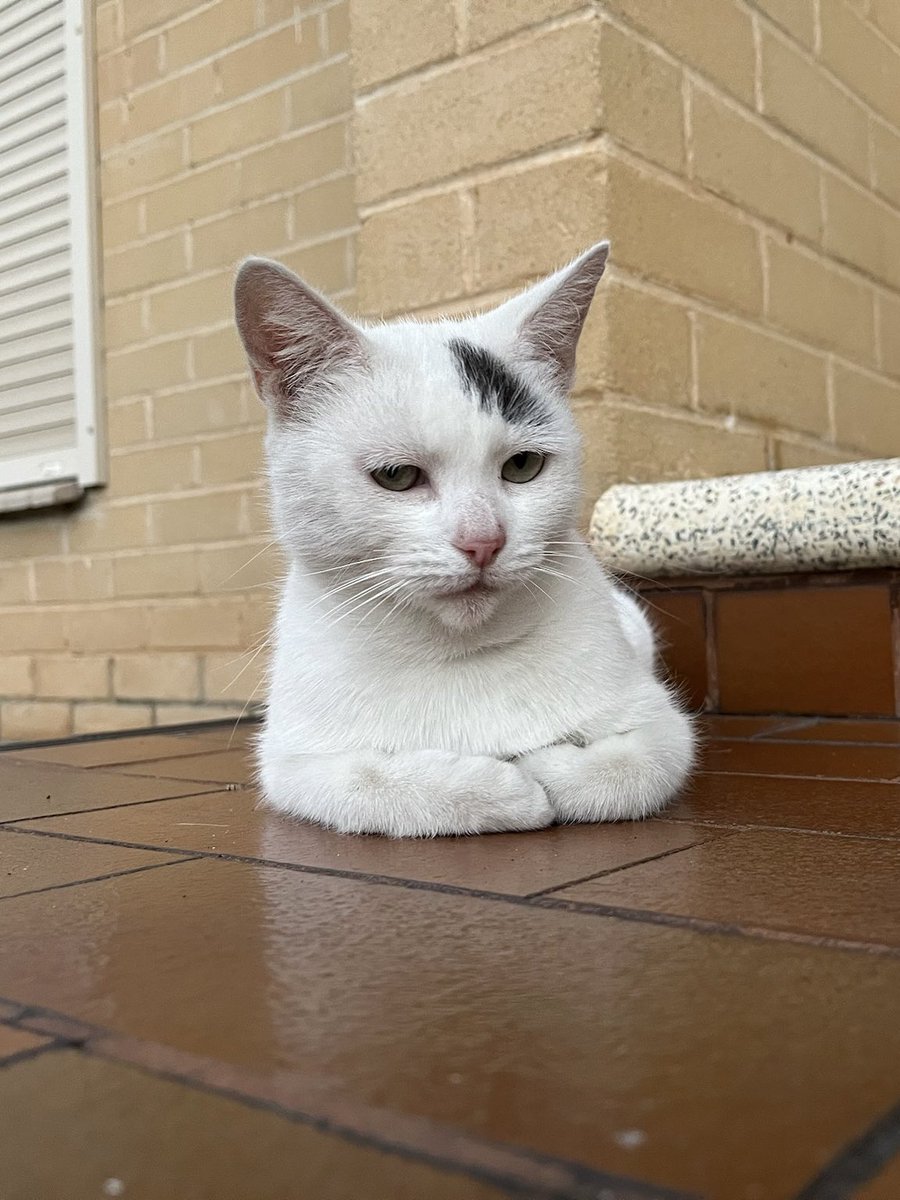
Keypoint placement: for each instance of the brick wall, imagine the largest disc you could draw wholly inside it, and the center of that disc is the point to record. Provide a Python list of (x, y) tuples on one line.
[(224, 129), (747, 169)]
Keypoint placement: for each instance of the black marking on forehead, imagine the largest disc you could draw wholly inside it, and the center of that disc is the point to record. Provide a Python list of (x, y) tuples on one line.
[(497, 387)]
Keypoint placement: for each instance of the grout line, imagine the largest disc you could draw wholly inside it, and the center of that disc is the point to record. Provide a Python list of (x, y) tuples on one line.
[(804, 830), (33, 1052), (892, 782), (521, 1171), (859, 1162), (74, 812), (727, 832), (58, 887), (620, 912)]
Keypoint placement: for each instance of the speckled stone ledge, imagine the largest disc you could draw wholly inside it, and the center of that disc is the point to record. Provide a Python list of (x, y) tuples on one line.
[(816, 519)]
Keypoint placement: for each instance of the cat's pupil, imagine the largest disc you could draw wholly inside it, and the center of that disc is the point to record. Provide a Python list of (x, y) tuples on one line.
[(520, 460)]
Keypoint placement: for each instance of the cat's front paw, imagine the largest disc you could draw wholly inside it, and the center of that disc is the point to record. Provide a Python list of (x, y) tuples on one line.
[(612, 779), (489, 796)]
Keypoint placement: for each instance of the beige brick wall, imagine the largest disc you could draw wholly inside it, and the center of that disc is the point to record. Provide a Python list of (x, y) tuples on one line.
[(224, 129), (746, 169)]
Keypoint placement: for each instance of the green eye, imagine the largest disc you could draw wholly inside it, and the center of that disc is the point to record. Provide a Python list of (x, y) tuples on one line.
[(397, 479), (524, 467)]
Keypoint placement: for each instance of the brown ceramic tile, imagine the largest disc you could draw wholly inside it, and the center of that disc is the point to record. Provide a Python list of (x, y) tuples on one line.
[(832, 806), (231, 737), (815, 760), (29, 789), (107, 752), (885, 1185), (29, 863), (879, 733), (184, 1143), (229, 766), (656, 1052), (716, 725), (680, 622), (816, 650), (17, 1041), (518, 864), (836, 887)]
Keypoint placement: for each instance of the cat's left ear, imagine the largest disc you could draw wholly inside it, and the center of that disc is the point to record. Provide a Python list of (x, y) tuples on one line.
[(551, 315)]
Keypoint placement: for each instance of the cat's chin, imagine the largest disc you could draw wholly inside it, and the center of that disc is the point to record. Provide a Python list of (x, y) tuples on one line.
[(464, 611)]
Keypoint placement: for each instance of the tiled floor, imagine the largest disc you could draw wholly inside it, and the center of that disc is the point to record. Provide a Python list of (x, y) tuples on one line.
[(201, 1001)]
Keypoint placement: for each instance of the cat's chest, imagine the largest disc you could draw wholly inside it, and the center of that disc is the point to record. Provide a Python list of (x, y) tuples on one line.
[(503, 704)]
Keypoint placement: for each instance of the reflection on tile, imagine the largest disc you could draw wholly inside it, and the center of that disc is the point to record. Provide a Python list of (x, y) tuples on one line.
[(836, 887), (715, 725), (13, 1042), (885, 733), (28, 863), (228, 766), (113, 1130), (516, 863), (30, 789), (537, 1028), (833, 806), (815, 760), (108, 752)]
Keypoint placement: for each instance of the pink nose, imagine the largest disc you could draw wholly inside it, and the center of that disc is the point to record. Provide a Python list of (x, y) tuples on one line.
[(482, 551)]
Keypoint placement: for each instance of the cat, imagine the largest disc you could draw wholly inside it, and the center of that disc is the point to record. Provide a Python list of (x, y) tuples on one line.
[(448, 656)]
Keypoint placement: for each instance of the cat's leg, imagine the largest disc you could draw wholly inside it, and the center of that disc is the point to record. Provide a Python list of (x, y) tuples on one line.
[(421, 793), (625, 776)]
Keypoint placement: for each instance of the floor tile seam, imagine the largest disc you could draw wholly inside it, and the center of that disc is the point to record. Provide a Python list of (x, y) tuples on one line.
[(743, 827), (59, 887), (612, 912), (856, 743), (99, 1042), (75, 812), (893, 781), (31, 1052), (860, 1161), (785, 723), (586, 1180), (153, 758), (727, 832), (118, 735)]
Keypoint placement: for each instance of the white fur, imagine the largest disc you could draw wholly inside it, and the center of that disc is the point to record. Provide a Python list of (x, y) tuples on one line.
[(394, 710)]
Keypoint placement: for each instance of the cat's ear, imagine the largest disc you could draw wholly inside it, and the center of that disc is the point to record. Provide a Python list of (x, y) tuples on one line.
[(551, 315), (292, 335)]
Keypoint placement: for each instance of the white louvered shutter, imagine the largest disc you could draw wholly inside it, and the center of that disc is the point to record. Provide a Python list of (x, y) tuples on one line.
[(49, 439)]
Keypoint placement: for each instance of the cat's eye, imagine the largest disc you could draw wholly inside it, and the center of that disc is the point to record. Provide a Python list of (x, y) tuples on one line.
[(397, 479), (523, 467)]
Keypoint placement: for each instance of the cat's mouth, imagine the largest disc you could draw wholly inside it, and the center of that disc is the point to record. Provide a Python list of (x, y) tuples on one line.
[(467, 591)]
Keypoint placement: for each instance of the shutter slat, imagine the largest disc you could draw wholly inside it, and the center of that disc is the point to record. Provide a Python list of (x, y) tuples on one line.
[(27, 347), (30, 31), (44, 220), (52, 267), (16, 14), (43, 367), (23, 204), (54, 166), (20, 85), (22, 301), (56, 315), (36, 249), (21, 122), (38, 441), (41, 391), (32, 52), (32, 152), (51, 415)]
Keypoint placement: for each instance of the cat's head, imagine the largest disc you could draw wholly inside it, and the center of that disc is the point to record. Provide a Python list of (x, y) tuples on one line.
[(438, 460)]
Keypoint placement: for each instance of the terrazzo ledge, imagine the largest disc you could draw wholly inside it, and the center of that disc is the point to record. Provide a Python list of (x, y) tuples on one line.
[(842, 517)]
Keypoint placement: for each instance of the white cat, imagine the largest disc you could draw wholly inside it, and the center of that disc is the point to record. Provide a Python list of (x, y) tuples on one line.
[(449, 657)]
